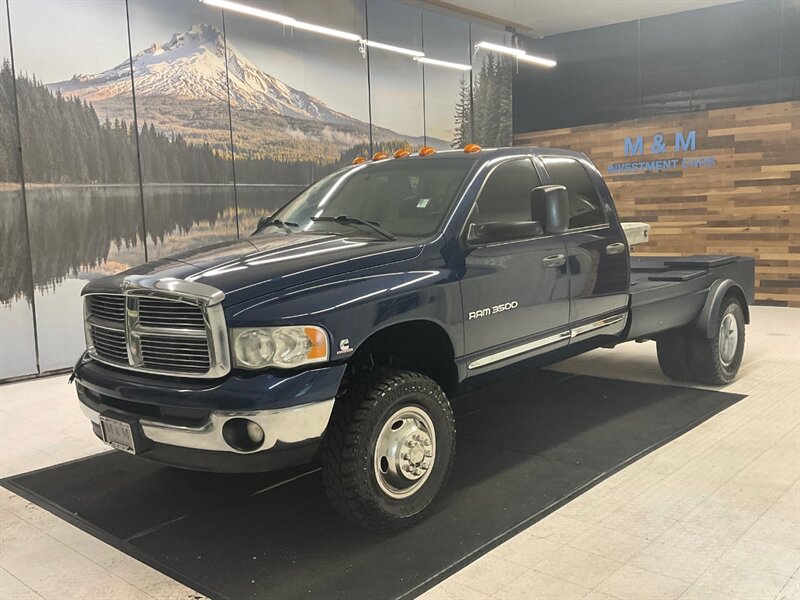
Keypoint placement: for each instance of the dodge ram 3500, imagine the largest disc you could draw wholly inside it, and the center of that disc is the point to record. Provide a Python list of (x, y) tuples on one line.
[(341, 327)]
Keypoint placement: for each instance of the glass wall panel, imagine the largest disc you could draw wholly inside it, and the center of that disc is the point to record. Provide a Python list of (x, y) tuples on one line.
[(396, 79), (78, 151), (17, 348), (447, 91), (299, 100), (491, 90), (184, 129)]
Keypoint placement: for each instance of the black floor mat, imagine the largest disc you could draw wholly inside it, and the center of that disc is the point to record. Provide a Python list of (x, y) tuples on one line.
[(525, 446)]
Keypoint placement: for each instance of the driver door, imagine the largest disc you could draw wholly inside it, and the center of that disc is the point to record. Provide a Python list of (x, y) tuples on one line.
[(515, 293)]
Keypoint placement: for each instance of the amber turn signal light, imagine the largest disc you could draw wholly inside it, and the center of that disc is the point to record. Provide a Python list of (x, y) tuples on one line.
[(358, 160), (470, 148), (379, 156), (427, 151), (319, 343), (402, 153)]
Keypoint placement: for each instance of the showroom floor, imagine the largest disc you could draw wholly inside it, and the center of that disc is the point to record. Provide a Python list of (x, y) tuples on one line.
[(713, 514)]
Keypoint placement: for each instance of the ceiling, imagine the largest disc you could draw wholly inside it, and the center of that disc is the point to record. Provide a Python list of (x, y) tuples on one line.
[(547, 17)]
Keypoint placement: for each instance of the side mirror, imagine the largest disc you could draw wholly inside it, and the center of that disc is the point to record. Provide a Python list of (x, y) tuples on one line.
[(501, 231), (262, 222), (550, 205)]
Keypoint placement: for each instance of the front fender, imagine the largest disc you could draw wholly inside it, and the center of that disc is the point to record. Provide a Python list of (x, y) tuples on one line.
[(706, 321), (352, 309)]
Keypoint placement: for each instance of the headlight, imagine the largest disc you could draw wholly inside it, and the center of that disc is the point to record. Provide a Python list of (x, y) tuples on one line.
[(283, 347)]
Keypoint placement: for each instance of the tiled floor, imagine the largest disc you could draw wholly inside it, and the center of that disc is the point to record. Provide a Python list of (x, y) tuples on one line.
[(713, 514)]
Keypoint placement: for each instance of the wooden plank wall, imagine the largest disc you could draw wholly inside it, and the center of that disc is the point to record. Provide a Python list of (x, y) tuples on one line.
[(747, 204)]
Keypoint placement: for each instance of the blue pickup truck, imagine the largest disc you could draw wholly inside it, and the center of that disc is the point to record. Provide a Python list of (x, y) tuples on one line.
[(342, 327)]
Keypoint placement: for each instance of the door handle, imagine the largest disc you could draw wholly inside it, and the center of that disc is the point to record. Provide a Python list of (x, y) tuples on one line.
[(554, 260), (615, 248)]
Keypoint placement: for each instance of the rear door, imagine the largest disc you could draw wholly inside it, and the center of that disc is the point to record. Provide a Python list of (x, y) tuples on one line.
[(515, 293), (598, 253)]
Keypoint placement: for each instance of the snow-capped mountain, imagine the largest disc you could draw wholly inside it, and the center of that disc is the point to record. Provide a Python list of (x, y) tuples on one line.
[(191, 66)]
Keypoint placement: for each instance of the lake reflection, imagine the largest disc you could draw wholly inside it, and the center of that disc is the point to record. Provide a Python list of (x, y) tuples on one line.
[(79, 233)]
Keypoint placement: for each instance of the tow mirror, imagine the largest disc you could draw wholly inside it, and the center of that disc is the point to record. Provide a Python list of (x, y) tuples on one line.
[(550, 205), (501, 231)]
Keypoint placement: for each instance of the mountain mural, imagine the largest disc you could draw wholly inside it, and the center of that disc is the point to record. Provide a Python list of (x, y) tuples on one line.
[(179, 84)]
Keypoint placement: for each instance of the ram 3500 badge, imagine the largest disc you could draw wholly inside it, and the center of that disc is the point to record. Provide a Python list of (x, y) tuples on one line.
[(492, 310), (344, 325)]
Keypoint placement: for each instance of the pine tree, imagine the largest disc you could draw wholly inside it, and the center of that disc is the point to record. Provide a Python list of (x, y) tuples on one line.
[(461, 131), (505, 131)]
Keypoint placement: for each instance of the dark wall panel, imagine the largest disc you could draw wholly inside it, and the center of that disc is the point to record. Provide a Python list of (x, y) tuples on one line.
[(17, 346), (81, 184), (596, 77), (729, 55)]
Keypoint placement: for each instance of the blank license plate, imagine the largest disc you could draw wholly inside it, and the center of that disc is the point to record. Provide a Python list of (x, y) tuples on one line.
[(117, 434)]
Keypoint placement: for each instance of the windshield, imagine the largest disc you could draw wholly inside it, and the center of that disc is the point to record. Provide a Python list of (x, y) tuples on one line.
[(403, 197)]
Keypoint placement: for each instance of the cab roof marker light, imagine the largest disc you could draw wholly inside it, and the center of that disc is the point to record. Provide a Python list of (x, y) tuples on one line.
[(538, 60), (427, 151), (390, 48), (443, 63), (499, 48)]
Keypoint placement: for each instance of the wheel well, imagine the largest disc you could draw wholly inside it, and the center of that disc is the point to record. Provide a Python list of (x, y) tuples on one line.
[(736, 292), (421, 346)]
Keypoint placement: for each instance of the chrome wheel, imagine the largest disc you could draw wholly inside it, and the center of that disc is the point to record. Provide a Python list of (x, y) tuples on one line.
[(728, 339), (405, 452)]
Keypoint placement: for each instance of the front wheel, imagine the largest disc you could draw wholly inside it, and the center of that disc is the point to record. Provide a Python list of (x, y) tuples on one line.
[(389, 449)]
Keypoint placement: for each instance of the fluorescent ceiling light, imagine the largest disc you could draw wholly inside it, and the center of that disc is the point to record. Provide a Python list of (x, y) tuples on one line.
[(517, 53), (499, 48), (538, 60), (282, 19), (344, 35), (249, 10), (390, 48), (442, 63)]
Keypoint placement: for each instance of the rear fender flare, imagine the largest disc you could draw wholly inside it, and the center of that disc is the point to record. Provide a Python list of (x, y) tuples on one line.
[(706, 322)]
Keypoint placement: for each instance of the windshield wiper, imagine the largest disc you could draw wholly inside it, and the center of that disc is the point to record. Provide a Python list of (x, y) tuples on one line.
[(347, 220), (284, 225)]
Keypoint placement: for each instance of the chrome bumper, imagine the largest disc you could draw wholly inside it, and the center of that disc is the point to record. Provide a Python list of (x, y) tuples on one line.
[(285, 426)]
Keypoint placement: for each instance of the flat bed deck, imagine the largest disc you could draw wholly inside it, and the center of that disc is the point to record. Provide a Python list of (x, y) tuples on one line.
[(668, 292)]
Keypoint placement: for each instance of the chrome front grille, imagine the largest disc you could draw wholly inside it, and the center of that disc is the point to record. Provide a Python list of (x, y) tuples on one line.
[(110, 344), (155, 312), (167, 327), (109, 307), (169, 353)]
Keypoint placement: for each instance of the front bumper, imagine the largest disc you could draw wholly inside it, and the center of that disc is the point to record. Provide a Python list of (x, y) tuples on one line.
[(182, 423)]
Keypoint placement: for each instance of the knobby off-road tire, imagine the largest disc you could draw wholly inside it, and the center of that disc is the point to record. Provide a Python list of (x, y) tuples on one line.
[(383, 432), (716, 361), (672, 350)]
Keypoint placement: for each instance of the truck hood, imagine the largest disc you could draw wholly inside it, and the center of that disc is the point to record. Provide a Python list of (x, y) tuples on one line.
[(264, 264)]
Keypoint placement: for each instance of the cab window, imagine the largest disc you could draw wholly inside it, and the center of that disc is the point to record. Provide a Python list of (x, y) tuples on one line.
[(506, 195), (585, 206)]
